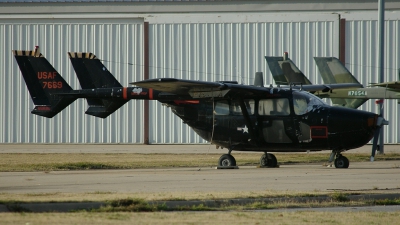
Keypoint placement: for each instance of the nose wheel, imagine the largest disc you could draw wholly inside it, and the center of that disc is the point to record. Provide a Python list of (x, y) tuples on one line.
[(341, 162), (268, 160)]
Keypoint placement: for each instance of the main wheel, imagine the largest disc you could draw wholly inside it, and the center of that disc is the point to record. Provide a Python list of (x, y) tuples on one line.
[(342, 162), (227, 160), (268, 160)]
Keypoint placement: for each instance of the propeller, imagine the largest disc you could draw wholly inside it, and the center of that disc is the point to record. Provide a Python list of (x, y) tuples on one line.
[(379, 123)]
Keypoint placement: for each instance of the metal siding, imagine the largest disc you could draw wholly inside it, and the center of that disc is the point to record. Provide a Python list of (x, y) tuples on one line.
[(209, 51), (362, 60), (117, 41), (188, 48)]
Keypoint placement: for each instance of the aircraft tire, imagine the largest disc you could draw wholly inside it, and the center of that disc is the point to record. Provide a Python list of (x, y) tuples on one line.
[(268, 160), (227, 160), (342, 162)]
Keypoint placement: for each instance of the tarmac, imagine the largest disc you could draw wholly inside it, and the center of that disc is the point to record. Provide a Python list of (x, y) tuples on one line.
[(140, 148), (360, 176)]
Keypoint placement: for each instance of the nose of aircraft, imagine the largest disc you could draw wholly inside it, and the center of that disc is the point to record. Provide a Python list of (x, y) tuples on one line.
[(350, 128)]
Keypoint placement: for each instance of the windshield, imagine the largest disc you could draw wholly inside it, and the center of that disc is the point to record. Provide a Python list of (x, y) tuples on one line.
[(304, 102)]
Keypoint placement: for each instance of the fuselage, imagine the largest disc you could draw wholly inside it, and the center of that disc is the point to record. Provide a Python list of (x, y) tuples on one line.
[(279, 121)]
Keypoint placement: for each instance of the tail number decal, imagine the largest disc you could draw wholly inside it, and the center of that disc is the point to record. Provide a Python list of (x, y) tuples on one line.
[(357, 93), (52, 85), (49, 76)]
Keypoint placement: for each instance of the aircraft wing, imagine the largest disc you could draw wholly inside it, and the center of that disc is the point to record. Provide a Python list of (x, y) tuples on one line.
[(393, 85), (177, 86), (199, 89), (326, 87), (206, 89)]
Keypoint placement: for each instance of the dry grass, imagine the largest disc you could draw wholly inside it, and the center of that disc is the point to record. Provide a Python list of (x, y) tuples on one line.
[(82, 161), (172, 196), (149, 196), (237, 217)]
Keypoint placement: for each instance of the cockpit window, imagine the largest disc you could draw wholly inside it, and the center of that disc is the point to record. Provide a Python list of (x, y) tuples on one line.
[(274, 106), (304, 102)]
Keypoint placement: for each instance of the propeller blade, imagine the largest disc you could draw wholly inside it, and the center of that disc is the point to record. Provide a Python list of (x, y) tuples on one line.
[(375, 143), (380, 122)]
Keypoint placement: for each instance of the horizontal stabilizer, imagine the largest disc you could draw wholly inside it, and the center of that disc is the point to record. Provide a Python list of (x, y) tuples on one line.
[(44, 83)]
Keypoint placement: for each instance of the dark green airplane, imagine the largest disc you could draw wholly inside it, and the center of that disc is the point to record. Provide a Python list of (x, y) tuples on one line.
[(227, 114), (284, 72)]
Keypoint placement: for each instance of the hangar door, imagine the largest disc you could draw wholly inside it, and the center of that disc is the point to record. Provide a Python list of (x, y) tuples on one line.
[(230, 47), (117, 42)]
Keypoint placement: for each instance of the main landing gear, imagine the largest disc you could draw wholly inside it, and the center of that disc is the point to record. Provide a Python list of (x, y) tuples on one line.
[(340, 160), (227, 160), (266, 160)]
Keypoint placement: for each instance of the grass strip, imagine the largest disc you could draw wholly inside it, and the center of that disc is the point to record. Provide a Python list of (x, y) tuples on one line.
[(29, 162), (140, 205), (224, 217)]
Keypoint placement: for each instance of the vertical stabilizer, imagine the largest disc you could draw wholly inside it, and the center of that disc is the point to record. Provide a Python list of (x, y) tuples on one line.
[(93, 74), (285, 71), (44, 83), (334, 72)]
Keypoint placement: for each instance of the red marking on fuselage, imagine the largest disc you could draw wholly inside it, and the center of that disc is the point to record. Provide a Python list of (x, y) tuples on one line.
[(125, 93), (178, 102), (43, 108), (319, 131), (150, 94)]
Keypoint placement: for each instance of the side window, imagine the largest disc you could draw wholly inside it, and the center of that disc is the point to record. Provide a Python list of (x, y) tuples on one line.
[(221, 108), (236, 110), (271, 107), (250, 104)]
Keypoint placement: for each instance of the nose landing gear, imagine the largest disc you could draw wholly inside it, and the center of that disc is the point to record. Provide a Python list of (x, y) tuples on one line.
[(340, 160)]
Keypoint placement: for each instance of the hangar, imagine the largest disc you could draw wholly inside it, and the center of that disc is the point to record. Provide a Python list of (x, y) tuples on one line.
[(195, 39)]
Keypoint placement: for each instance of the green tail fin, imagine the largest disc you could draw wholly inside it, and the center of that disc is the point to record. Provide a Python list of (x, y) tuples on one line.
[(285, 71), (332, 72)]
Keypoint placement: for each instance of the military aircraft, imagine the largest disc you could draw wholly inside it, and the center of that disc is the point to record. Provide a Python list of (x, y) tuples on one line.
[(227, 114), (284, 71)]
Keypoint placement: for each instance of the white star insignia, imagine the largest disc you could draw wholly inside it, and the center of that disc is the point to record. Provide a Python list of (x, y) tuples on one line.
[(244, 129)]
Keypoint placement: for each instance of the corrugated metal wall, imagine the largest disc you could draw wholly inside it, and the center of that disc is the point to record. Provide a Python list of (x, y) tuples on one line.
[(230, 47), (117, 41), (203, 47), (362, 60)]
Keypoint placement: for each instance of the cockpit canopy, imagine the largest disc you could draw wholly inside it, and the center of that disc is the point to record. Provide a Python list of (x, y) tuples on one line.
[(304, 102)]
